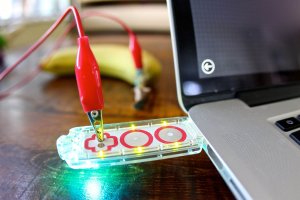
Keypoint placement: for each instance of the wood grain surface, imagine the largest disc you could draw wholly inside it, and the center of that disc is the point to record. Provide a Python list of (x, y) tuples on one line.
[(34, 117)]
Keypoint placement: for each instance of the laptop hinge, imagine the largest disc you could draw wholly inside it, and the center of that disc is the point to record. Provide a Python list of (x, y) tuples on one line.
[(269, 95)]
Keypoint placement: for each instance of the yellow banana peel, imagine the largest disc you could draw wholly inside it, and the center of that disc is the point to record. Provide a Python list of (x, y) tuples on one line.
[(114, 61)]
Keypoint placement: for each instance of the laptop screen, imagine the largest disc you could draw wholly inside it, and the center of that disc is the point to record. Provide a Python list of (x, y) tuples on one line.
[(232, 45)]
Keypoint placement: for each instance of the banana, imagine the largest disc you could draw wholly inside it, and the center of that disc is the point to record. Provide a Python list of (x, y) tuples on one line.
[(113, 60)]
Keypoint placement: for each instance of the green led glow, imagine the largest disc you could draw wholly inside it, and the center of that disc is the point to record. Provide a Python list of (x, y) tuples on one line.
[(93, 189), (57, 180)]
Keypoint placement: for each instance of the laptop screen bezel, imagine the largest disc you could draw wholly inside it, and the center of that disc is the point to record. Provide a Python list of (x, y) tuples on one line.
[(182, 30)]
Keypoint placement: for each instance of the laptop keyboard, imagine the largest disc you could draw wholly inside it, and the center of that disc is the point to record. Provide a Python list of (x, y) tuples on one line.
[(296, 136), (289, 124)]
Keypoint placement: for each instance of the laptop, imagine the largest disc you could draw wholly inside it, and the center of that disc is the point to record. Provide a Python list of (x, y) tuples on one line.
[(237, 67)]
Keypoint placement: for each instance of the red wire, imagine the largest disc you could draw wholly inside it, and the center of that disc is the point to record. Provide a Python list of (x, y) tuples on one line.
[(44, 37), (93, 14), (101, 14), (20, 84), (37, 44), (58, 43)]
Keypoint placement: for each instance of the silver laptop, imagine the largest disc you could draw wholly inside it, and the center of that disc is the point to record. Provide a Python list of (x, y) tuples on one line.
[(238, 77)]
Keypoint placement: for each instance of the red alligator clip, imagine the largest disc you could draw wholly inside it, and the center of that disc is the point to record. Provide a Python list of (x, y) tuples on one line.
[(135, 51), (88, 77)]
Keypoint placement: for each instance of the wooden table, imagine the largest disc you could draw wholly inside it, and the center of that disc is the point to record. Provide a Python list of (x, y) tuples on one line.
[(33, 118)]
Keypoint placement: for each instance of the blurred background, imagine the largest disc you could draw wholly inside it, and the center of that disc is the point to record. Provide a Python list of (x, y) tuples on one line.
[(25, 18), (23, 22), (15, 11)]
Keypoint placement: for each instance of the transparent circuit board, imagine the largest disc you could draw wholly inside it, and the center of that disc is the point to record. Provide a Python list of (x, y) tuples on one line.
[(131, 142)]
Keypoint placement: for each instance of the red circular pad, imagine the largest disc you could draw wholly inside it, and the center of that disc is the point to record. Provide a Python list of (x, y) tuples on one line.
[(170, 129), (137, 131)]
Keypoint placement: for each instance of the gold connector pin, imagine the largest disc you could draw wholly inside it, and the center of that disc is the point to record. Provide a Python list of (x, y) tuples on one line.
[(96, 120)]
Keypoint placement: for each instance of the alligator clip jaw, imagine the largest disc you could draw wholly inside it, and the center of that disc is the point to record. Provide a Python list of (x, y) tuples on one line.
[(89, 85), (96, 120)]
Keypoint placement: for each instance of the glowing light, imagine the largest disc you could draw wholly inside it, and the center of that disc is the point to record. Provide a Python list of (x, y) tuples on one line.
[(176, 144), (164, 123), (192, 88), (93, 189), (138, 150), (101, 154), (133, 127)]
